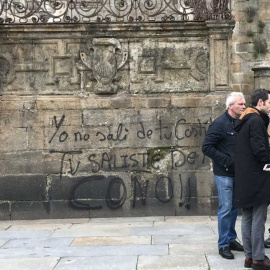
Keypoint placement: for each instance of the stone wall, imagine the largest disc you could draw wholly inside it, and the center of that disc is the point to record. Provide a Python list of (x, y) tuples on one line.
[(250, 43), (108, 120)]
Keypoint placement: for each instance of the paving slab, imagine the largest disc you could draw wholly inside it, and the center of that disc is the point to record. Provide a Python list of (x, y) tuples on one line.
[(39, 243), (87, 251), (3, 241), (173, 230), (38, 227), (216, 262), (182, 239), (4, 227), (44, 221), (97, 231), (172, 262), (144, 243), (24, 234), (127, 219), (187, 219), (192, 248), (29, 264), (112, 241), (95, 225), (98, 263)]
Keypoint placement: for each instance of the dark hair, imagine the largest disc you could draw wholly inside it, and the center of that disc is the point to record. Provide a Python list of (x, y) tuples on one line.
[(259, 94)]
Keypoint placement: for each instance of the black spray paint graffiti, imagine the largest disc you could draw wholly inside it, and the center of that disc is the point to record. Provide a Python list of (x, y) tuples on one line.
[(123, 133), (115, 192), (142, 189), (63, 136), (135, 161), (183, 201), (64, 153)]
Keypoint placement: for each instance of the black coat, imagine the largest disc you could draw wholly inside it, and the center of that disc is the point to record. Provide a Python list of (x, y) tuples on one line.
[(219, 145), (252, 183)]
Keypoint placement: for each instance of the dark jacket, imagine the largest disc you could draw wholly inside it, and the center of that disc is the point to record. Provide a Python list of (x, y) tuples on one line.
[(252, 184), (219, 145)]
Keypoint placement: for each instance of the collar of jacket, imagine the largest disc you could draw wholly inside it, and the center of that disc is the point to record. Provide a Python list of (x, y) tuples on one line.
[(255, 110), (248, 111), (232, 120)]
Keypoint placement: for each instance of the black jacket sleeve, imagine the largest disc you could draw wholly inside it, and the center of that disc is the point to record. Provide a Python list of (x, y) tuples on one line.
[(213, 137)]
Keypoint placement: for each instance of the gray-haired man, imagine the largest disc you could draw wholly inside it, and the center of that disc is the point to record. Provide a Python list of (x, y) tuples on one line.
[(219, 145)]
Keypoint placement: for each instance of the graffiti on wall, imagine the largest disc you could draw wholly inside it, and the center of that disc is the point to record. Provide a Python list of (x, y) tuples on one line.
[(115, 192), (152, 171)]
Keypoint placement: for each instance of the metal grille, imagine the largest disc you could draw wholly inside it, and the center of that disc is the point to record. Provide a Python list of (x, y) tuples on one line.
[(111, 11)]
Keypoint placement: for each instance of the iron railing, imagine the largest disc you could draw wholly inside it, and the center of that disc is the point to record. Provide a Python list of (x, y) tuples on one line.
[(107, 11)]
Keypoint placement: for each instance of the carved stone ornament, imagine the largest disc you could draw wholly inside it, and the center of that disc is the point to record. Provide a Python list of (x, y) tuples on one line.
[(7, 74), (104, 58), (4, 69), (199, 63)]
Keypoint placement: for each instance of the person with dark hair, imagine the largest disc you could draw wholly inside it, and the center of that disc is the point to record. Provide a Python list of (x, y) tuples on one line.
[(219, 145), (252, 179)]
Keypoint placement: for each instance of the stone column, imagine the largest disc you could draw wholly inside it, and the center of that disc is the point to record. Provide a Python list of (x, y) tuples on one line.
[(220, 33), (262, 75)]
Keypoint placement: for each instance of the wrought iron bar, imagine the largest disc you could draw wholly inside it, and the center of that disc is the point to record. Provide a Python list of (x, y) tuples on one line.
[(111, 11)]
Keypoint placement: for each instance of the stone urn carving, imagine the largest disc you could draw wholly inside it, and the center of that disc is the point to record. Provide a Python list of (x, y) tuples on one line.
[(105, 57)]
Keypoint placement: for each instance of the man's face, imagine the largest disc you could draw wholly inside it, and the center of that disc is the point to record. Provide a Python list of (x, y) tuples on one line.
[(237, 108), (266, 106)]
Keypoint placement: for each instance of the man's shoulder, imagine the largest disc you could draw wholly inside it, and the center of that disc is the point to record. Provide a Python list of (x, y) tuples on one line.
[(220, 120), (219, 125), (254, 117)]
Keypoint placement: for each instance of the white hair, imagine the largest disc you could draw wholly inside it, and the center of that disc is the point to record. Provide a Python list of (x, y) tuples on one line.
[(231, 98)]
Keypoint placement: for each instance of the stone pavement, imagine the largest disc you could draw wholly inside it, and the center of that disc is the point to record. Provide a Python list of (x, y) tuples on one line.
[(140, 243)]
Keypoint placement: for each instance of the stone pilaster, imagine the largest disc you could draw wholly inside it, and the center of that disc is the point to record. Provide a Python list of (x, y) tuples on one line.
[(220, 33)]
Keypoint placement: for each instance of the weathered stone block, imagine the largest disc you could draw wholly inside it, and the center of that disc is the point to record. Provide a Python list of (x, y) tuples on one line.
[(4, 211), (110, 117), (18, 118), (247, 89), (243, 78), (236, 88), (59, 118), (194, 102), (153, 207), (158, 102), (18, 140), (23, 188), (92, 188), (27, 162), (45, 210), (58, 103), (237, 67), (121, 102), (244, 47), (191, 115), (35, 138), (94, 102)]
